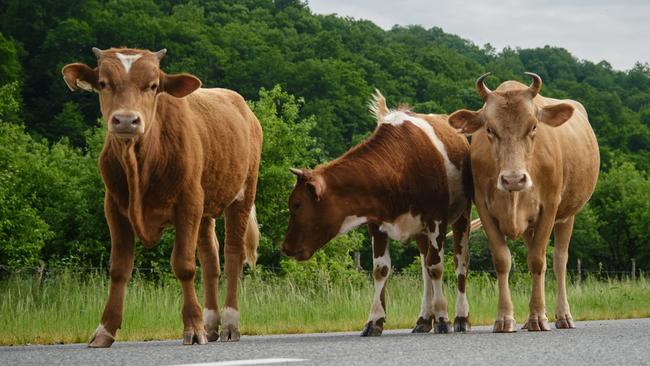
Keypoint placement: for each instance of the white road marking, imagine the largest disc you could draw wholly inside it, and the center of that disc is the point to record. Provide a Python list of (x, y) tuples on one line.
[(259, 361)]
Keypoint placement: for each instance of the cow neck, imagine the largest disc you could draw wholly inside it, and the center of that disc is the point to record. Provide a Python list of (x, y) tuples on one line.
[(353, 179), (138, 158)]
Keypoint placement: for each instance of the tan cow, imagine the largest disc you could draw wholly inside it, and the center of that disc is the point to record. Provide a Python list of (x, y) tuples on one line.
[(409, 180), (535, 163), (175, 154)]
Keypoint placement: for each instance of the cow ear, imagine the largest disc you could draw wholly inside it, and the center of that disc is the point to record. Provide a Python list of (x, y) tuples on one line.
[(555, 115), (316, 185), (179, 85), (80, 77), (466, 121)]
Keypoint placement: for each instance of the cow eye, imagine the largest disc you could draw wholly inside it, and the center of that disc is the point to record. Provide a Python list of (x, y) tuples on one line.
[(154, 87), (102, 85), (295, 205), (533, 131), (490, 132)]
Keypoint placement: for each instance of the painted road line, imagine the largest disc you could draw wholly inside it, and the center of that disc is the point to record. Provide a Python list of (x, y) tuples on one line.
[(258, 361)]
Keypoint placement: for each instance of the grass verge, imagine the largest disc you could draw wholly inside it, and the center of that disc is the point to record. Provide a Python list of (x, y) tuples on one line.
[(66, 308)]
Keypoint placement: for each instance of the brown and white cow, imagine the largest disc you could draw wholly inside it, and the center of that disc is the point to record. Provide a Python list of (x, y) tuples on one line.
[(174, 154), (535, 163), (410, 179)]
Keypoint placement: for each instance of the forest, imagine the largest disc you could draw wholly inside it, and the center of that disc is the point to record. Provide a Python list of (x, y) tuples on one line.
[(308, 78)]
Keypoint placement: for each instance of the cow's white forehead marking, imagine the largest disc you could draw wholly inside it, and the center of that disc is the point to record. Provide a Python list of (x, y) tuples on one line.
[(128, 60)]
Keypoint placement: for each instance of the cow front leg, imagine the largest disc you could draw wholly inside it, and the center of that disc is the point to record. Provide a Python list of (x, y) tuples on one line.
[(461, 229), (210, 268), (537, 320), (563, 230), (188, 219), (122, 253), (381, 270), (424, 324)]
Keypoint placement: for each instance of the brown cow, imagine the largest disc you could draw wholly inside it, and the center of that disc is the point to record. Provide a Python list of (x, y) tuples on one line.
[(535, 164), (408, 180), (175, 154)]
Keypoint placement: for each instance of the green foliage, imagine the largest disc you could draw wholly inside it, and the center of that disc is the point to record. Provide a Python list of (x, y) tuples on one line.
[(9, 66)]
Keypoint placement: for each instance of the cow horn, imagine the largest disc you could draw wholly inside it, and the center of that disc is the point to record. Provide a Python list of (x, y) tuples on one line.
[(98, 53), (483, 90), (160, 54), (297, 172), (536, 85)]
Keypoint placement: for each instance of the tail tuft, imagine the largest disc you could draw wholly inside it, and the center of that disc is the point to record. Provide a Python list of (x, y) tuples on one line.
[(378, 106), (251, 239)]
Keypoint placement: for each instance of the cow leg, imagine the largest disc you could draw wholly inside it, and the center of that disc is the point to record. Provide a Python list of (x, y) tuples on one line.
[(563, 318), (537, 320), (424, 324), (188, 221), (435, 264), (122, 253), (501, 259), (381, 271), (461, 229), (209, 257), (237, 216)]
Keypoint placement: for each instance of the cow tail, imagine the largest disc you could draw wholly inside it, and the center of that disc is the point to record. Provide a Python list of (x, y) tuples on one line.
[(251, 239)]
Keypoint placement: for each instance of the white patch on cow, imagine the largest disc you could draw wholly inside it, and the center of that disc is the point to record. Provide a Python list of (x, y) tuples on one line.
[(210, 319), (240, 195), (426, 308), (561, 221), (84, 85), (403, 227), (351, 222), (454, 176), (439, 301), (462, 305), (230, 318), (377, 311), (128, 60)]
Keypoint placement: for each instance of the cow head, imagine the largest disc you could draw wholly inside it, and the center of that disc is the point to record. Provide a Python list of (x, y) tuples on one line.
[(510, 121), (315, 217), (128, 82)]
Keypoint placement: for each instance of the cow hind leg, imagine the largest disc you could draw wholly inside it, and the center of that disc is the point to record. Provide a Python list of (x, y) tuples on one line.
[(461, 229), (209, 257), (424, 324), (563, 318), (435, 264), (381, 270), (240, 217)]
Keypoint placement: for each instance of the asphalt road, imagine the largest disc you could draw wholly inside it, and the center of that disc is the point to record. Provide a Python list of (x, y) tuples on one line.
[(619, 342)]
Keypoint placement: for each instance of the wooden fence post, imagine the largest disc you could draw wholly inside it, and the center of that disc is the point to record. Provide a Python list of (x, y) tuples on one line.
[(633, 268), (579, 271), (357, 261)]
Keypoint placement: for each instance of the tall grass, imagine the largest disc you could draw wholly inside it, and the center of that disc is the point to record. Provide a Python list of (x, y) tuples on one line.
[(66, 308)]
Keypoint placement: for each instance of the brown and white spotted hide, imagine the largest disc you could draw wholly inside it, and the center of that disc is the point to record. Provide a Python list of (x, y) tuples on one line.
[(408, 180)]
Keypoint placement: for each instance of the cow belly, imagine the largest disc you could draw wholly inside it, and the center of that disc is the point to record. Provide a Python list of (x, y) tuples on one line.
[(403, 227)]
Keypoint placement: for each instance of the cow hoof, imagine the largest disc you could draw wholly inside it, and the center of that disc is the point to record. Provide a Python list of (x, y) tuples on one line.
[(373, 329), (101, 338), (442, 325), (566, 323), (534, 324), (423, 325), (504, 326), (461, 324), (213, 335), (229, 334), (191, 337)]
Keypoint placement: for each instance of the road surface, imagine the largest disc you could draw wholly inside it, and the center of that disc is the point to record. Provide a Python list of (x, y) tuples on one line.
[(619, 342)]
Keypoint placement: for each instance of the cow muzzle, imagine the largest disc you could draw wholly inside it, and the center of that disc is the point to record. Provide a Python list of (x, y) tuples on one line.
[(126, 124), (514, 181)]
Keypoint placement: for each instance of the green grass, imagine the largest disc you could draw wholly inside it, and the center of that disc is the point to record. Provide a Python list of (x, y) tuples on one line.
[(66, 308)]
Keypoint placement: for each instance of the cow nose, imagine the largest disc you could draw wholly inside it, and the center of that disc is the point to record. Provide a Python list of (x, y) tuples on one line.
[(515, 181), (125, 122)]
